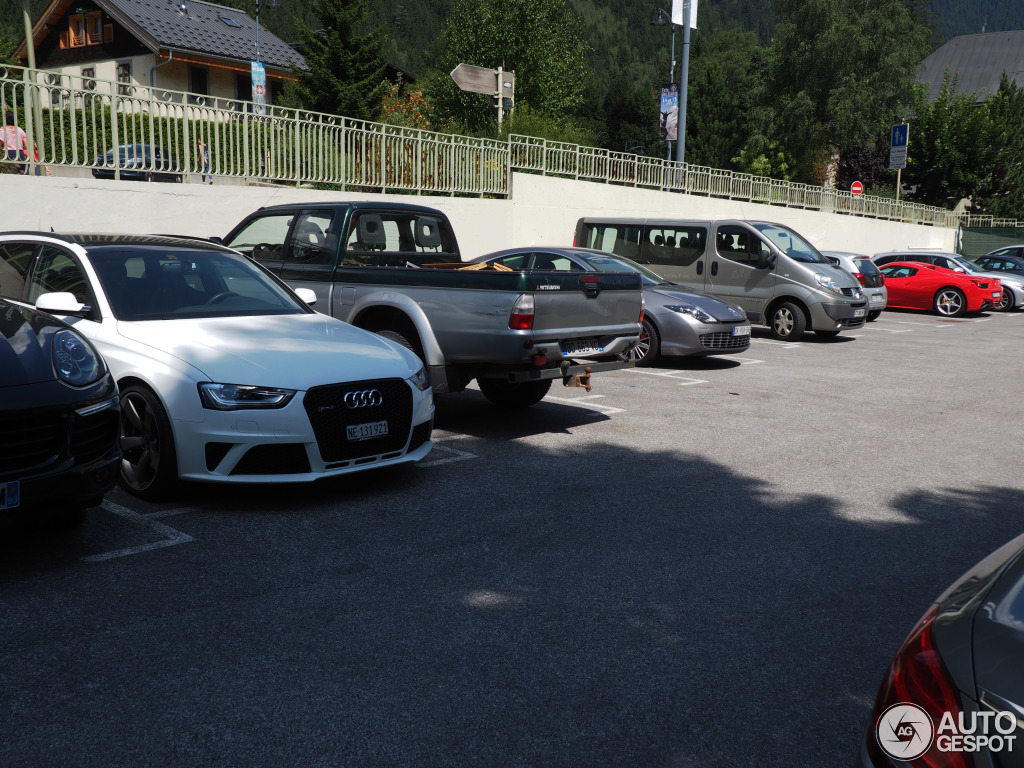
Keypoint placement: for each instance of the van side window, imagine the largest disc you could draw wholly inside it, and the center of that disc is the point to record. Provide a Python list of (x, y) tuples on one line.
[(678, 244), (620, 239), (738, 244)]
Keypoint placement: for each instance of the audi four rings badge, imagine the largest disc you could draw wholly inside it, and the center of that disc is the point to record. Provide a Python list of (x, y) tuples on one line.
[(363, 399)]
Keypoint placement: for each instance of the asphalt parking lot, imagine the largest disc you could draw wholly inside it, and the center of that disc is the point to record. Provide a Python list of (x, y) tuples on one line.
[(707, 563)]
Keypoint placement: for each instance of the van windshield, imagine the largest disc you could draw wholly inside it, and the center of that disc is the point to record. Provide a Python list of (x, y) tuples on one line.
[(791, 244)]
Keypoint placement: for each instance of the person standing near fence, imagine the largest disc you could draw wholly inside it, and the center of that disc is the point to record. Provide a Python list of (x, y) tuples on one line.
[(204, 161), (15, 141)]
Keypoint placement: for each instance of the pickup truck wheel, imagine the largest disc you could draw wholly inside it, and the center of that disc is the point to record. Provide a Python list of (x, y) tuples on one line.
[(648, 348), (398, 338), (787, 322), (508, 395)]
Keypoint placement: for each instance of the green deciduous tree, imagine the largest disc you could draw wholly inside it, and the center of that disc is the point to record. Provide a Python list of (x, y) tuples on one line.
[(540, 40), (951, 151), (839, 69), (1005, 198), (346, 66)]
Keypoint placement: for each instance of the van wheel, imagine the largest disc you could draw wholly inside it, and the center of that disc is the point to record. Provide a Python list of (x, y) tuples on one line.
[(787, 322), (149, 468), (508, 395), (648, 347)]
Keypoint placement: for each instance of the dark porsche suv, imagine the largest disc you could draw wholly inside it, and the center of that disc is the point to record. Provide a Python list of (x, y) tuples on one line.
[(59, 420)]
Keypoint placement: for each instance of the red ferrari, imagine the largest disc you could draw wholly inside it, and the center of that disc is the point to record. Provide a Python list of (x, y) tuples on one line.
[(916, 285)]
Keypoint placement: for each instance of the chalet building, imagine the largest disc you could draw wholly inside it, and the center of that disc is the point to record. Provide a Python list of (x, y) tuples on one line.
[(979, 60), (184, 45)]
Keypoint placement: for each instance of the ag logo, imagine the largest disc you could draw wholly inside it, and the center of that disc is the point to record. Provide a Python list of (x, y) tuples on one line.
[(904, 731)]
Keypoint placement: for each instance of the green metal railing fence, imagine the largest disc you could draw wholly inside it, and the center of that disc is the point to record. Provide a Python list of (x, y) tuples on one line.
[(80, 118)]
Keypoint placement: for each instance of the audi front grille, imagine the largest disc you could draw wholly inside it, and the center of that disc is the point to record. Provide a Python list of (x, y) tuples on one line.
[(333, 408)]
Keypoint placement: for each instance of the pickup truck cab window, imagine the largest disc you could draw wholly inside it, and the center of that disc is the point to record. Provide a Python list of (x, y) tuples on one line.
[(402, 233), (263, 239)]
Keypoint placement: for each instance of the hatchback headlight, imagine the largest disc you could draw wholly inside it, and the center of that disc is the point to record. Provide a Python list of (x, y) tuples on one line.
[(74, 359), (237, 397), (693, 311), (420, 379)]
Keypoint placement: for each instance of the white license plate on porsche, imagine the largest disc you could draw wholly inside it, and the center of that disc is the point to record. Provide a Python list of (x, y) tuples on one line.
[(858, 313), (741, 330), (10, 495), (366, 431), (582, 347)]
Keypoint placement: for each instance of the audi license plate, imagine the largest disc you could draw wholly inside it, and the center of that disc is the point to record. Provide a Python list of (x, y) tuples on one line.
[(366, 431), (858, 313), (741, 330), (10, 495), (582, 347)]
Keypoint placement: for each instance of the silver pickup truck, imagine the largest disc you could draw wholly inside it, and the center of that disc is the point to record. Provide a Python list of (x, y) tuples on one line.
[(396, 269)]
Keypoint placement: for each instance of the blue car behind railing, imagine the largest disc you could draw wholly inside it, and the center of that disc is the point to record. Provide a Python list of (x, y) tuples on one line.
[(139, 162)]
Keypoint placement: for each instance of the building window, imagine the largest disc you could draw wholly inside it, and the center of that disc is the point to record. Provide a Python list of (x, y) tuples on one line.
[(124, 77), (86, 29), (198, 80), (88, 78), (76, 30)]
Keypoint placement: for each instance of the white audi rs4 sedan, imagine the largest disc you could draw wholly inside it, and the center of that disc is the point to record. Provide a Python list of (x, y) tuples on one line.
[(226, 374)]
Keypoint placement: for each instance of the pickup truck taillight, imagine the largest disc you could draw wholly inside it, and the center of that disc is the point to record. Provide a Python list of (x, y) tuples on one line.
[(521, 318)]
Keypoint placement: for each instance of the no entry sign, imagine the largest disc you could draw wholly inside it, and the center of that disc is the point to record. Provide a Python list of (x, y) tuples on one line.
[(856, 188)]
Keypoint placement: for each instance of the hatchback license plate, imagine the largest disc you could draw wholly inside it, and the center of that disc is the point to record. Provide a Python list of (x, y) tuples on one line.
[(876, 298), (858, 313), (741, 330), (582, 347), (366, 431), (10, 495)]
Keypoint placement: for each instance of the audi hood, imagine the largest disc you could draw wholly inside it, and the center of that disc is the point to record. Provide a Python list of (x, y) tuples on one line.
[(291, 351)]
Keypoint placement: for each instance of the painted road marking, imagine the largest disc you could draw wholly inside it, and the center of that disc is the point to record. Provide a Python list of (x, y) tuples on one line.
[(585, 402), (172, 536)]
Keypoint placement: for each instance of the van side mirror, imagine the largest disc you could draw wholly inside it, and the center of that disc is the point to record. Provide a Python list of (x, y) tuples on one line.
[(765, 259)]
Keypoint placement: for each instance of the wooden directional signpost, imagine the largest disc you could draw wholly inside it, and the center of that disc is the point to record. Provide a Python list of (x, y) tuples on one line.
[(498, 84)]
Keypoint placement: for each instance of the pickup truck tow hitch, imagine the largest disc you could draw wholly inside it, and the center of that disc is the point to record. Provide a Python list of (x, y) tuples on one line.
[(576, 379)]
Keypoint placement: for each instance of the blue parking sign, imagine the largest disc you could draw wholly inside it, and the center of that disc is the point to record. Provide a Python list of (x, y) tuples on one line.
[(900, 134)]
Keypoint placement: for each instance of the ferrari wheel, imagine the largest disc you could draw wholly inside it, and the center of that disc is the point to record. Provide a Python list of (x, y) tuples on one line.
[(950, 302)]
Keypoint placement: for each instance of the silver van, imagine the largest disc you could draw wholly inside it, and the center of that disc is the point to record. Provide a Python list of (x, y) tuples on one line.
[(777, 277)]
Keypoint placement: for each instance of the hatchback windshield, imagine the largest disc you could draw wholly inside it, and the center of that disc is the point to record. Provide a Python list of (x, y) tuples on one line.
[(791, 244), (619, 264), (155, 283)]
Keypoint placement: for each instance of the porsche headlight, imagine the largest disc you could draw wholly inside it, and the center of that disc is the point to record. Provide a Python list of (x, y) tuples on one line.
[(420, 379), (74, 359), (237, 397), (693, 311)]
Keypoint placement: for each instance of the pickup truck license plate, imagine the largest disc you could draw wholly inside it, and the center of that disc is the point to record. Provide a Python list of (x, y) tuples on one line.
[(858, 313), (741, 330), (582, 347), (10, 495), (366, 431)]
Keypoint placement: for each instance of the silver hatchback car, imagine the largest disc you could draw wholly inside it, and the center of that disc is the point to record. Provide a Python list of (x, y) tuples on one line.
[(863, 268), (678, 320)]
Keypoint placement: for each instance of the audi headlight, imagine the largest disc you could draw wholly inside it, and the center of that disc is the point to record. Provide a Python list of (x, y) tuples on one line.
[(420, 379), (693, 311), (828, 283), (74, 359), (237, 397)]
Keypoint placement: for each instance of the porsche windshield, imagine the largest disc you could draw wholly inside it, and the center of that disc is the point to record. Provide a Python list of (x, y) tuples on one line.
[(156, 283), (791, 244)]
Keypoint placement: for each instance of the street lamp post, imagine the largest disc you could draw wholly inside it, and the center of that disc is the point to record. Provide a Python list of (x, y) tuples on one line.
[(665, 19), (684, 76), (272, 5)]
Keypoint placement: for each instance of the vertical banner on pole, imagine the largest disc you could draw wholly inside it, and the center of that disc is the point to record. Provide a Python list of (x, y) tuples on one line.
[(668, 127), (259, 88), (680, 8)]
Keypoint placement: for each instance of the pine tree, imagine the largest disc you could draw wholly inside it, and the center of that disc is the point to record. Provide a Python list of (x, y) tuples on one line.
[(346, 65)]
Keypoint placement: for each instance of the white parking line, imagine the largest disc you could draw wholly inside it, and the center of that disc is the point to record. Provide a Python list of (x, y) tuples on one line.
[(739, 359), (584, 401), (173, 536), (685, 381), (456, 455), (783, 344)]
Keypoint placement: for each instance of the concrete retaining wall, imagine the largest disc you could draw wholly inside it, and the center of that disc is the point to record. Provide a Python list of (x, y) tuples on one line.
[(542, 211)]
